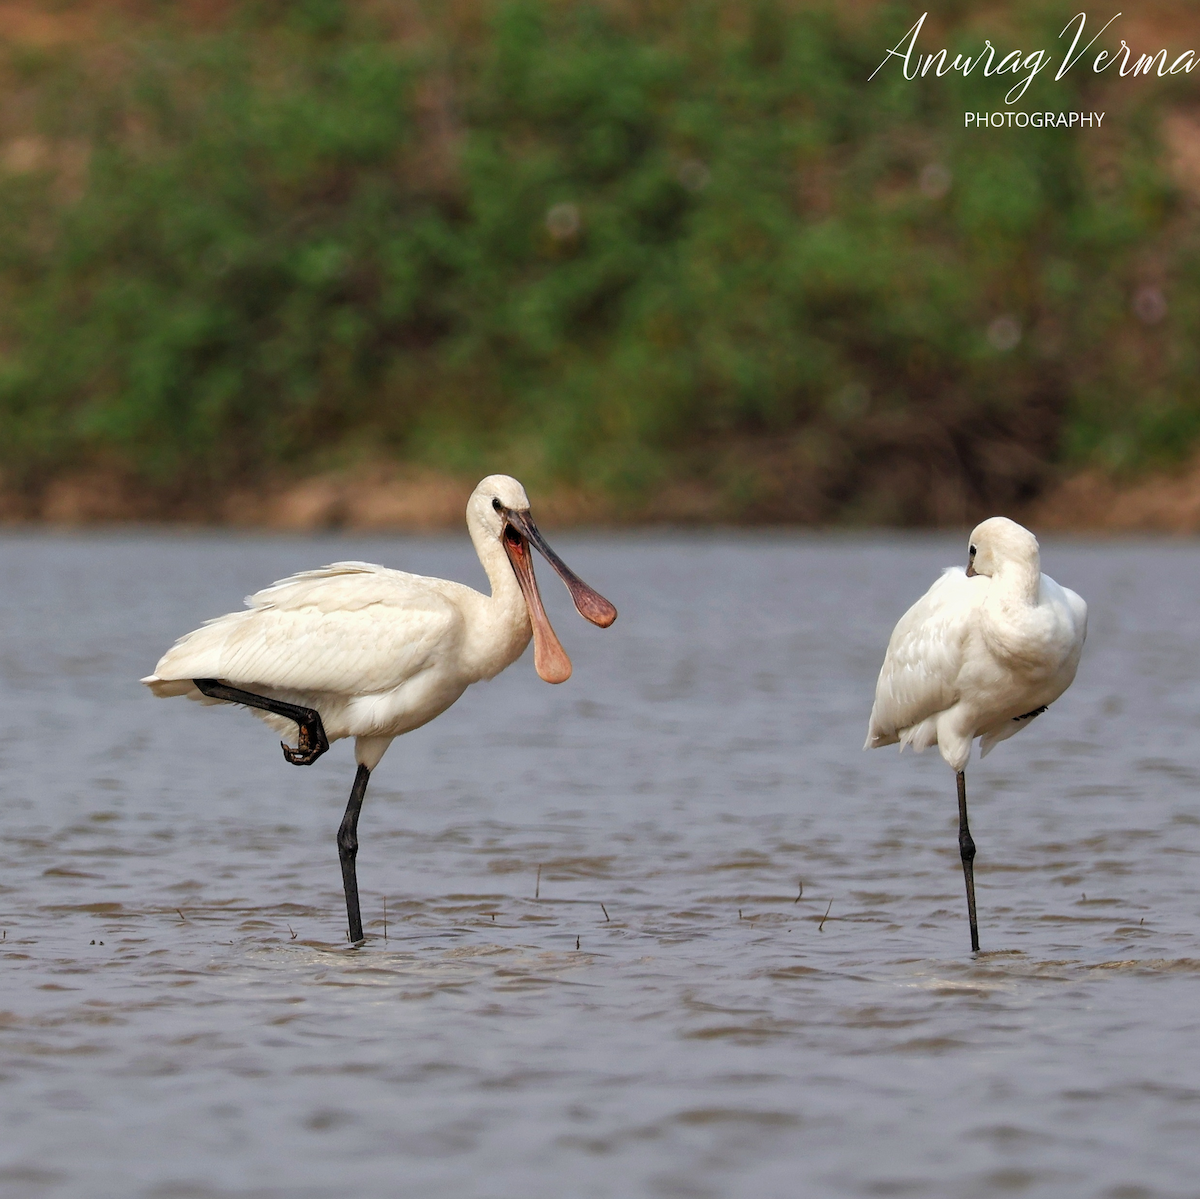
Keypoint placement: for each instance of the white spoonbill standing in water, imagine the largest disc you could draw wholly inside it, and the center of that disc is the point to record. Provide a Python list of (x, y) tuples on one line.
[(355, 650), (981, 654)]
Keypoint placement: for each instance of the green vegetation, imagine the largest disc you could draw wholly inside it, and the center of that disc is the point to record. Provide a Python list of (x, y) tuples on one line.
[(631, 247)]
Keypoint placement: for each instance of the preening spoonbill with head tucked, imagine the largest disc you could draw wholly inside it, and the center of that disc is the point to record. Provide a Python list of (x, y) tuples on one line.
[(355, 650), (981, 654)]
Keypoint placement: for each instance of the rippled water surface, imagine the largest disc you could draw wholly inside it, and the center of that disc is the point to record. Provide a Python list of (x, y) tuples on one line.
[(597, 977)]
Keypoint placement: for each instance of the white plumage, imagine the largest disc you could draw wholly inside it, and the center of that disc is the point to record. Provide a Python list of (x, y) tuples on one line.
[(981, 654), (371, 653), (376, 652), (977, 652)]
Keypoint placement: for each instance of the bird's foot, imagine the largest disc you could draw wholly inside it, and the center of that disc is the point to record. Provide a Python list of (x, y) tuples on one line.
[(298, 756), (310, 744)]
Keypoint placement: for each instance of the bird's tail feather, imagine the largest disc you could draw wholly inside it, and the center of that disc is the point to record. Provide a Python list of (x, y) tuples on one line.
[(165, 688), (920, 736)]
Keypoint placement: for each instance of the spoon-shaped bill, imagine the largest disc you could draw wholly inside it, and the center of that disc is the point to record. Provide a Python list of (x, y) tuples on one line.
[(549, 658), (589, 603)]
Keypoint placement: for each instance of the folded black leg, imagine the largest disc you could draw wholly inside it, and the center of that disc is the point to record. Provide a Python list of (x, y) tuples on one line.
[(311, 740)]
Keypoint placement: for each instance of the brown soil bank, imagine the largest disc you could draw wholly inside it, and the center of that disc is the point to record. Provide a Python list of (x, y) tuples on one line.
[(371, 499), (379, 497), (1093, 502), (410, 499)]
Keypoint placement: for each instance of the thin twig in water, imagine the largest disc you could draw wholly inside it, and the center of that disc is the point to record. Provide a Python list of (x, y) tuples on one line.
[(181, 915), (801, 895), (292, 931), (740, 916), (385, 917), (605, 911), (821, 926), (537, 887)]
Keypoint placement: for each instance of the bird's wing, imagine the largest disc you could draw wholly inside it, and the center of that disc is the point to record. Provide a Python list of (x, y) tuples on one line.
[(1078, 608), (351, 628), (924, 657), (1073, 607)]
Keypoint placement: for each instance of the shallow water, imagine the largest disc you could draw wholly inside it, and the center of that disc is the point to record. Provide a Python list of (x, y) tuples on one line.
[(656, 1013)]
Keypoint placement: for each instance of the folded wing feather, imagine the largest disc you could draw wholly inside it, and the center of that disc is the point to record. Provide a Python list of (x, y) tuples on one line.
[(351, 628), (924, 658)]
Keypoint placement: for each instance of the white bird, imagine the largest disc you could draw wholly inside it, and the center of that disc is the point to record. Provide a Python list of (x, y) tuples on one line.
[(981, 654), (356, 650)]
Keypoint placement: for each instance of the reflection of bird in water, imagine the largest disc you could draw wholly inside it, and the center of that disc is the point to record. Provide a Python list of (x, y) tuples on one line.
[(982, 653), (355, 650)]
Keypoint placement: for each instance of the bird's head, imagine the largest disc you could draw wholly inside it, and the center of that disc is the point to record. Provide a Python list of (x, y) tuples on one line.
[(495, 496), (500, 507), (998, 542)]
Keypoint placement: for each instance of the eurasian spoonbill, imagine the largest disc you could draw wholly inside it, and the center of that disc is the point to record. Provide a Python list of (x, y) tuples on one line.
[(981, 654), (356, 650)]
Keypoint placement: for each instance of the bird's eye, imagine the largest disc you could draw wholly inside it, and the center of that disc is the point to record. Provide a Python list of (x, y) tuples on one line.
[(496, 503), (972, 551)]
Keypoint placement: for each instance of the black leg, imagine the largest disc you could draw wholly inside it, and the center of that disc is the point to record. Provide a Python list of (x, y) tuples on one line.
[(311, 741), (966, 849), (347, 840)]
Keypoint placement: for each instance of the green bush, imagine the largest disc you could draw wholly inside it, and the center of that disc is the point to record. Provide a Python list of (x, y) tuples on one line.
[(631, 248)]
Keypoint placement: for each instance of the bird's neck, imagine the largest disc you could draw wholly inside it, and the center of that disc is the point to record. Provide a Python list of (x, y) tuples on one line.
[(505, 589), (504, 629), (1018, 582)]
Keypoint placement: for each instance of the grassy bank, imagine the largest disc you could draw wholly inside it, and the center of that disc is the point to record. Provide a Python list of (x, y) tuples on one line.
[(683, 257)]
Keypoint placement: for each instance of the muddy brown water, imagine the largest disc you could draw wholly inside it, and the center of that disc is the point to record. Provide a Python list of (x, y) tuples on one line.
[(659, 1015)]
